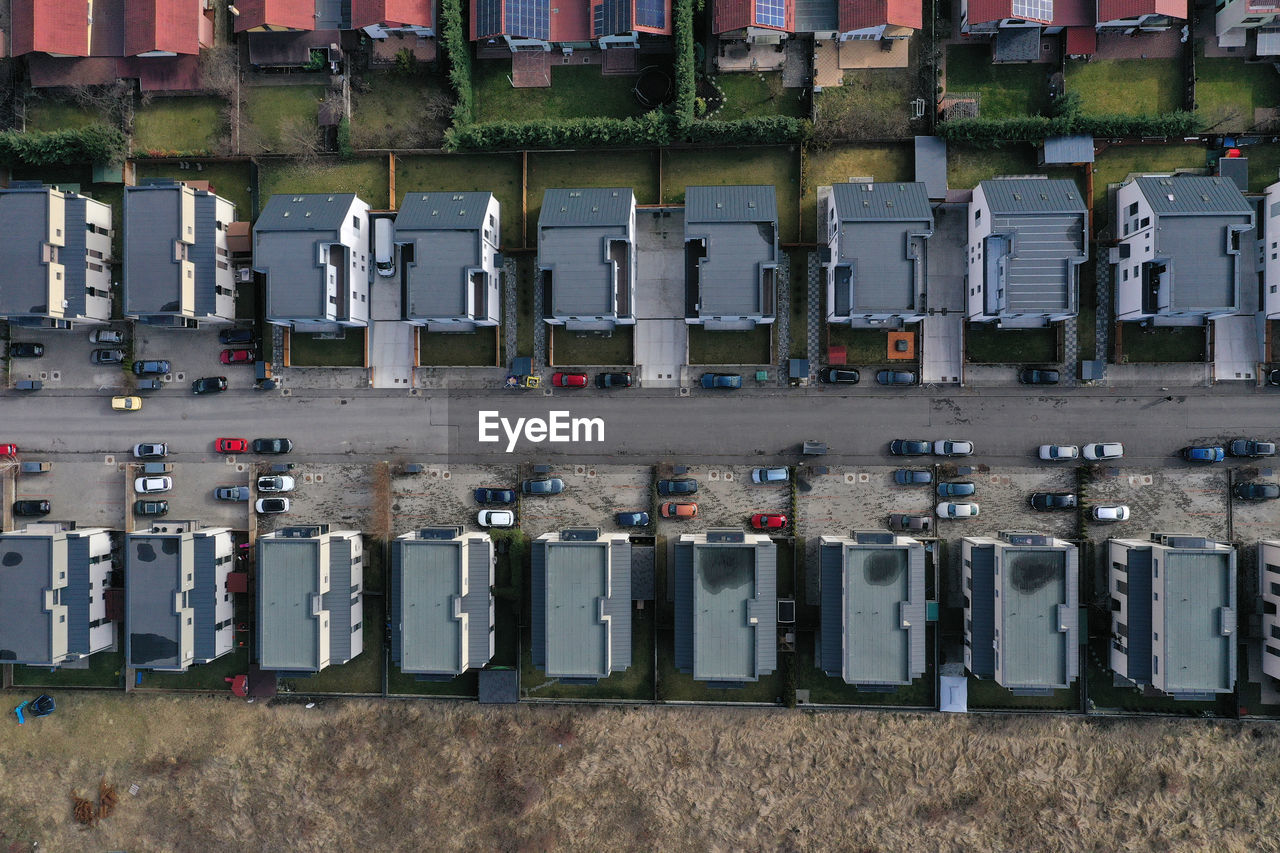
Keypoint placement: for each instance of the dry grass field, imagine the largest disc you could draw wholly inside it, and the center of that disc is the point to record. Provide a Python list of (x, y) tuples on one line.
[(220, 774)]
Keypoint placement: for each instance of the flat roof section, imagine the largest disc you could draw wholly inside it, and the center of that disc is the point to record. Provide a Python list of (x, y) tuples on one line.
[(431, 581), (1034, 585), (288, 578), (877, 581), (25, 567), (152, 583), (576, 581), (724, 647), (1197, 585)]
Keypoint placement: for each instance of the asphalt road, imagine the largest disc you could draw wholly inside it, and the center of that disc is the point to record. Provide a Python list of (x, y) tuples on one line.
[(641, 426)]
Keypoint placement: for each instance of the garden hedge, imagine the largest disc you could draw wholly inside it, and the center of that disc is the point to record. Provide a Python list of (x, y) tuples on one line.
[(453, 28), (1039, 128), (94, 143)]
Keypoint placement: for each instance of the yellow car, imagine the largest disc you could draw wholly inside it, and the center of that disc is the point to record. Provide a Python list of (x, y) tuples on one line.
[(126, 404)]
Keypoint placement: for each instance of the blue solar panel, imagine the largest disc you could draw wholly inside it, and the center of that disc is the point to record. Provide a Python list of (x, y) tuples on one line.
[(770, 13), (651, 13), (612, 17), (529, 18), (488, 17)]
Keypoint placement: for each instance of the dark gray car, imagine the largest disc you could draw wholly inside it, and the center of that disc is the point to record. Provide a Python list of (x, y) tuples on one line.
[(896, 377), (543, 486)]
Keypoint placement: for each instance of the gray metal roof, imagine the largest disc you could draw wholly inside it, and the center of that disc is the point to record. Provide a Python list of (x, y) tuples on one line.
[(1198, 587), (982, 608), (306, 212), (931, 165), (286, 238), (344, 601), (1193, 194), (204, 254), (447, 232), (892, 201), (882, 232), (154, 578), (24, 218), (732, 204), (720, 589), (575, 229), (75, 252), (29, 565), (1010, 196), (76, 595), (1036, 240), (211, 642), (586, 208), (289, 590), (1034, 582), (1071, 149), (428, 632), (444, 211), (740, 228), (152, 224), (575, 584)]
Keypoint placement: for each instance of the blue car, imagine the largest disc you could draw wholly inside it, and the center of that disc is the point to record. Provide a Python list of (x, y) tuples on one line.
[(543, 486), (1203, 454), (495, 496), (721, 380), (912, 477), (633, 519), (956, 490), (684, 486), (910, 447)]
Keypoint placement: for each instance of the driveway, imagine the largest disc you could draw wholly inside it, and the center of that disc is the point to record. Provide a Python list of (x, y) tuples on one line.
[(661, 335)]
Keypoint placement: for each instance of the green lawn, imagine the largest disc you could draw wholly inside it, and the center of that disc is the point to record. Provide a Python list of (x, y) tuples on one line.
[(1162, 344), (203, 676), (268, 110), (758, 94), (635, 682), (1228, 90), (403, 683), (873, 103), (1113, 164), (572, 349), (985, 693), (582, 169), (187, 125), (495, 173), (576, 91), (46, 114), (862, 346), (106, 669), (367, 178), (1127, 85), (753, 347), (1005, 91), (363, 673), (967, 167), (986, 344), (674, 686), (311, 351), (399, 110), (461, 349), (835, 165), (233, 181), (778, 165)]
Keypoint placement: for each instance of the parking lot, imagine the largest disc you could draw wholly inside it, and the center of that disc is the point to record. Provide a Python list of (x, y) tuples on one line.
[(726, 497), (191, 498), (192, 353), (65, 363), (92, 494), (592, 495), (1174, 500), (442, 495), (341, 496), (1254, 520)]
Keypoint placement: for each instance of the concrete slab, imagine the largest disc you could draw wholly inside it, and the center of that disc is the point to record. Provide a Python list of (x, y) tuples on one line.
[(1150, 376), (726, 498), (90, 493), (1173, 500), (592, 496), (942, 355), (858, 498), (391, 354), (1235, 348), (661, 336), (65, 363), (443, 495)]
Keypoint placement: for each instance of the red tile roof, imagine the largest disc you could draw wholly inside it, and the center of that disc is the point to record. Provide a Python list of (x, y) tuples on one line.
[(1115, 10), (276, 14), (740, 14), (50, 26), (1066, 13), (172, 26), (406, 13), (1082, 41), (861, 14), (571, 20)]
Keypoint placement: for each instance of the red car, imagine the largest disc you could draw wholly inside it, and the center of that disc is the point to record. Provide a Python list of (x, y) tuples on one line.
[(768, 521), (231, 445), (238, 356), (8, 450), (569, 380)]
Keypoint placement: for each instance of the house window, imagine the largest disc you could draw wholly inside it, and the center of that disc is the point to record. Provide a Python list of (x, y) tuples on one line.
[(1133, 209), (1275, 588), (62, 617), (1155, 638), (355, 222), (1274, 569), (188, 620), (1125, 276), (977, 215), (1155, 665), (355, 629), (1275, 631), (1146, 220), (1155, 596), (1122, 586), (1272, 650)]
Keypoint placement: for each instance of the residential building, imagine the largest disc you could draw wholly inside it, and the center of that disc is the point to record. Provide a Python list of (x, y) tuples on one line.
[(271, 16), (177, 268), (312, 251), (580, 584), (586, 254), (876, 256), (1021, 611), (1179, 261), (1234, 18), (536, 25), (1140, 16), (381, 18), (57, 257), (875, 20), (731, 256), (726, 606), (1269, 583), (754, 21), (1018, 25), (873, 608), (449, 254), (1027, 240), (441, 601), (310, 598), (178, 608), (53, 586), (1173, 613)]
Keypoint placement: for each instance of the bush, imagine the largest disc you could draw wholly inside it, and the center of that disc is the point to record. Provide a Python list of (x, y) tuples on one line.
[(458, 49), (344, 139), (686, 76), (979, 131), (94, 143), (652, 128), (763, 129)]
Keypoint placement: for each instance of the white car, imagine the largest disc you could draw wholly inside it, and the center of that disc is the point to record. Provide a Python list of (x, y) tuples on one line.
[(952, 447), (275, 483), (1111, 513), (496, 518), (269, 506), (767, 476), (951, 509), (1058, 452), (1100, 451), (152, 485), (106, 336)]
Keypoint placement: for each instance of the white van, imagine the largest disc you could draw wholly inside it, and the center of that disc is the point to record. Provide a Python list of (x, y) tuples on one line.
[(384, 251)]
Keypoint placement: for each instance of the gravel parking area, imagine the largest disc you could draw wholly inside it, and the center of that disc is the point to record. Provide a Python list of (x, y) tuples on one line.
[(1003, 497), (65, 363), (341, 496), (591, 497), (192, 494), (1254, 520), (443, 495), (848, 499), (726, 498), (1175, 500), (92, 494)]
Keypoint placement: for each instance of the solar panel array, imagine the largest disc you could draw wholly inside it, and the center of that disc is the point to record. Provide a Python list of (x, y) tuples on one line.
[(611, 17), (488, 17), (529, 19), (772, 13), (651, 13), (1036, 10)]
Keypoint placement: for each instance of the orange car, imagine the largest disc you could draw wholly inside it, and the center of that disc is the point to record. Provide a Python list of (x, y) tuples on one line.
[(683, 509)]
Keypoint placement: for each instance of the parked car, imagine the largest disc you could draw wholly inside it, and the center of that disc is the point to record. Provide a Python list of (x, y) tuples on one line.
[(496, 518), (273, 446), (613, 380), (269, 506), (768, 521), (956, 490), (32, 507), (682, 486), (1118, 512), (35, 467), (1101, 451), (491, 495), (126, 404), (770, 476), (1205, 454), (896, 377), (910, 447), (151, 485), (913, 523), (1037, 376), (1256, 491), (679, 509), (107, 356), (721, 380), (145, 507), (1059, 452), (106, 336), (8, 450), (840, 376), (1273, 378), (275, 483), (1049, 501), (238, 356), (26, 349), (542, 486), (209, 385), (150, 368), (912, 477), (951, 509), (632, 519), (236, 336), (231, 445), (152, 450), (231, 493), (569, 380), (952, 447), (1251, 448)]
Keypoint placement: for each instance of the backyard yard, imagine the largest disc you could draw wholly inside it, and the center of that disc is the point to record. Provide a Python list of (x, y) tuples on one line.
[(1114, 163), (635, 683), (986, 344), (576, 91), (367, 178), (185, 125), (363, 673), (862, 346), (1160, 344), (569, 349), (231, 180), (635, 169), (459, 349), (758, 94), (391, 110), (835, 165), (1004, 91), (1233, 95), (1126, 86), (753, 347), (278, 119), (967, 167), (314, 351), (496, 173), (46, 113), (778, 166)]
